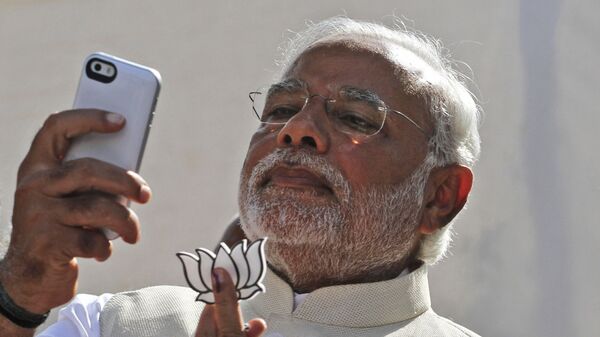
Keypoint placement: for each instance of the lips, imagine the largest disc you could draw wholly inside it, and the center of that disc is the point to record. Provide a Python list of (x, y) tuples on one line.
[(296, 178)]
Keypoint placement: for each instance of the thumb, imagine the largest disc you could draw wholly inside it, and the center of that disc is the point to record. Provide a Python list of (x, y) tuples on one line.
[(255, 327)]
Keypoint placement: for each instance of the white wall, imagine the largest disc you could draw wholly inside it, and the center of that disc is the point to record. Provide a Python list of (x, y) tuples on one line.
[(524, 261)]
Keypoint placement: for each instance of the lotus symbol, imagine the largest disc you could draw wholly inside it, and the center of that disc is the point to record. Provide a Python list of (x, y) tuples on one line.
[(246, 265)]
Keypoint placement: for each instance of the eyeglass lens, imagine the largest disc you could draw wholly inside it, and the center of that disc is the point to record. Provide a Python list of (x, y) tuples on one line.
[(351, 115)]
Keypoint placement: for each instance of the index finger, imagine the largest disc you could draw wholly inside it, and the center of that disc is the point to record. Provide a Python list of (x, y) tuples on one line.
[(52, 141), (227, 310), (206, 325)]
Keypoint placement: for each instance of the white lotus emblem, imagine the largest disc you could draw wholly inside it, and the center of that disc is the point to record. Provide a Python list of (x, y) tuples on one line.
[(246, 265)]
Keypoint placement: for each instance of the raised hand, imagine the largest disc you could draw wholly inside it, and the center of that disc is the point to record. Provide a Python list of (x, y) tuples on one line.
[(60, 207), (224, 319)]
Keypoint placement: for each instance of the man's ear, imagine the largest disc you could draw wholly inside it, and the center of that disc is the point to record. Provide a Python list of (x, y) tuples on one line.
[(445, 195)]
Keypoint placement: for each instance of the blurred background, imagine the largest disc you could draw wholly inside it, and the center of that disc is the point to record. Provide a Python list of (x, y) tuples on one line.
[(524, 261)]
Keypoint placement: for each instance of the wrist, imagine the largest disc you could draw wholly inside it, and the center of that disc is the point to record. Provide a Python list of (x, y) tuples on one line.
[(15, 307), (17, 314), (21, 290), (8, 328)]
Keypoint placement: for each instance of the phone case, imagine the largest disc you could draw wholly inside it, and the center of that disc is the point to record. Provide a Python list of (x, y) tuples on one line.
[(133, 93)]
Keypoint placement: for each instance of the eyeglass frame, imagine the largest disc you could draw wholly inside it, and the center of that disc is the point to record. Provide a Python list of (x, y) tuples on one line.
[(383, 107)]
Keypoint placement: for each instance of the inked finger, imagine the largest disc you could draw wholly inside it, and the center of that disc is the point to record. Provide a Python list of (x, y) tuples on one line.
[(89, 174), (52, 141), (95, 210), (227, 310)]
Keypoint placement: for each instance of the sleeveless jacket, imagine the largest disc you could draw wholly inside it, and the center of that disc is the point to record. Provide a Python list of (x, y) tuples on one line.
[(397, 307)]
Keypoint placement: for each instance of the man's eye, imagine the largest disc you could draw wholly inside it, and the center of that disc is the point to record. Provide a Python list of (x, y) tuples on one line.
[(357, 122), (279, 114)]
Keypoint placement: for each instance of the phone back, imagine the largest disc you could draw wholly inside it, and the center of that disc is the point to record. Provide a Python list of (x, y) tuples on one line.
[(132, 91)]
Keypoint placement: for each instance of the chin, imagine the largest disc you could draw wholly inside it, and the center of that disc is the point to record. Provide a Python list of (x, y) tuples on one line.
[(293, 223)]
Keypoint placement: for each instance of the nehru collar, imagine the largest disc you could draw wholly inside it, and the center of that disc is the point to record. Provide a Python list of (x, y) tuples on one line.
[(349, 305)]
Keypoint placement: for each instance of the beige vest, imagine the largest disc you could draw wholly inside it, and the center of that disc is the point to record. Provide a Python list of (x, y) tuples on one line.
[(397, 307)]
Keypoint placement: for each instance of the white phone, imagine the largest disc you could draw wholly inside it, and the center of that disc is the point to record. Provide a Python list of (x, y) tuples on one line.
[(117, 85)]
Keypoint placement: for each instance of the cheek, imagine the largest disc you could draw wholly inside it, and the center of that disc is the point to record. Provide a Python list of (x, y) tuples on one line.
[(386, 162), (261, 145), (359, 163)]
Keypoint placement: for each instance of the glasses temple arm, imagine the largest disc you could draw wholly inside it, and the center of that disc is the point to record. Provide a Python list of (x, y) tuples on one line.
[(410, 120)]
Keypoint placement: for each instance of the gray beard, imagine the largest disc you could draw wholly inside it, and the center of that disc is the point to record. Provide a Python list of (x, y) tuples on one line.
[(371, 229)]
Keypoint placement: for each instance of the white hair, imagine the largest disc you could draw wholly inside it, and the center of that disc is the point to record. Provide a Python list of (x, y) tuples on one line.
[(452, 108)]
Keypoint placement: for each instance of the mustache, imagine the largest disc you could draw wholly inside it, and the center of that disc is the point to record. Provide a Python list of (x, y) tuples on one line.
[(318, 165)]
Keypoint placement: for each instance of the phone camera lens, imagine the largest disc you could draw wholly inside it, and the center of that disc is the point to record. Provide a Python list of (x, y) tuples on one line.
[(97, 67)]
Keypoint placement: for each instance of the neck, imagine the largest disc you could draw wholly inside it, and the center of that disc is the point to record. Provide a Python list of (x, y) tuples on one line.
[(312, 268)]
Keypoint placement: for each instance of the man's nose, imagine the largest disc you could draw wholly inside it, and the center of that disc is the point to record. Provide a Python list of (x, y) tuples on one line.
[(307, 128)]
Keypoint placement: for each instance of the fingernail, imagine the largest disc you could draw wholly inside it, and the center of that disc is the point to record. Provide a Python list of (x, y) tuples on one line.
[(114, 118), (145, 193), (218, 282)]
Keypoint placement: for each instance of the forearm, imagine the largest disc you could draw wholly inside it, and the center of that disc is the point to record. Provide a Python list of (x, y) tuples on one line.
[(9, 329)]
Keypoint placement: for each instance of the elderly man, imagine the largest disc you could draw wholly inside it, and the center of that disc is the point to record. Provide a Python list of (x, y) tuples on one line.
[(360, 163)]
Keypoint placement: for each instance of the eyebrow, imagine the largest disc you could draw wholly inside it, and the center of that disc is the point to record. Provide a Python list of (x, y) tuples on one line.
[(363, 95), (288, 85), (350, 92)]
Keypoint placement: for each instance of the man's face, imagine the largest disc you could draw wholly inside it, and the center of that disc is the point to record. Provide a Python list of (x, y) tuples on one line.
[(308, 186)]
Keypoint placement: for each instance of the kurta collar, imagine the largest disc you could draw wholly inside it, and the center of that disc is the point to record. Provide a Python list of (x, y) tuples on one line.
[(350, 305)]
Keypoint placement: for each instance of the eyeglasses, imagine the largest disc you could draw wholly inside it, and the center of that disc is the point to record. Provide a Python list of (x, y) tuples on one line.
[(357, 112)]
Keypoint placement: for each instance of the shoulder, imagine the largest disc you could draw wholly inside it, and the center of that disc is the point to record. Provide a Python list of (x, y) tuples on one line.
[(151, 311), (158, 294), (431, 324)]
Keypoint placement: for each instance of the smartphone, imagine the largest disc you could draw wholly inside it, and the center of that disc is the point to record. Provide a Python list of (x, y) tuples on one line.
[(117, 85)]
